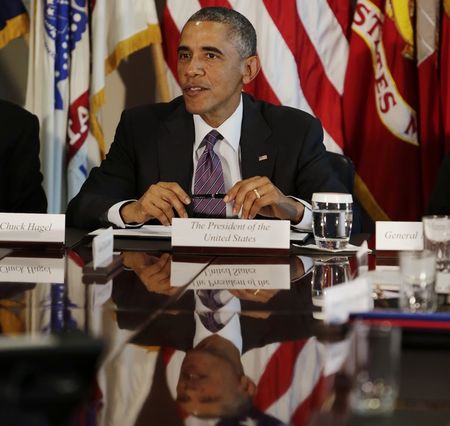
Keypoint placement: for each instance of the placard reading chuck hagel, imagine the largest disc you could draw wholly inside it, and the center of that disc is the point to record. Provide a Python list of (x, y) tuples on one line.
[(231, 233), (26, 227)]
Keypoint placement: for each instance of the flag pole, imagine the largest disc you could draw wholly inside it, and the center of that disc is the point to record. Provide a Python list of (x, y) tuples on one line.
[(162, 87)]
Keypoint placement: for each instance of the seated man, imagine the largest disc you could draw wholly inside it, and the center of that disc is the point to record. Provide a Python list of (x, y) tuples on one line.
[(167, 159), (20, 176)]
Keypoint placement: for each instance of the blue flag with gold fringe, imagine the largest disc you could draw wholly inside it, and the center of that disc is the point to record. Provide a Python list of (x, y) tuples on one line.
[(13, 21)]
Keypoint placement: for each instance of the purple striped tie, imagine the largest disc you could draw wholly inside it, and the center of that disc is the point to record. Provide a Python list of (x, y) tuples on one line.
[(209, 179)]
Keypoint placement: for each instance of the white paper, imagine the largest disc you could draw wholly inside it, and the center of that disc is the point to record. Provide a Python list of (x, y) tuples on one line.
[(342, 299), (350, 248), (146, 231)]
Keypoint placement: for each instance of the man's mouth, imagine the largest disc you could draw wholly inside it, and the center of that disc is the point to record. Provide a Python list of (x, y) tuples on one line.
[(193, 89)]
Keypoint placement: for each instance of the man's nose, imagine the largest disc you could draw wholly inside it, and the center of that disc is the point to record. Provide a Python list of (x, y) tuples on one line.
[(194, 67)]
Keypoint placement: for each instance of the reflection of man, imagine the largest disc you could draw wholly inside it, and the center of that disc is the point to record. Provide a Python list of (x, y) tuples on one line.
[(261, 152), (212, 381), (20, 176), (213, 331)]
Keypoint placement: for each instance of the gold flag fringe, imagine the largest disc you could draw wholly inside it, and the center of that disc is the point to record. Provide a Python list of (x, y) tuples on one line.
[(368, 201), (152, 34), (15, 27)]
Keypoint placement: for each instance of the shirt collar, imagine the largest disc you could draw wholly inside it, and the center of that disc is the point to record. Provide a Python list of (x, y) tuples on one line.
[(230, 129)]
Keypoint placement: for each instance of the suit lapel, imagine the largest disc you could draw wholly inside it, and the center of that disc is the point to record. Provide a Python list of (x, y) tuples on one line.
[(257, 151), (175, 149)]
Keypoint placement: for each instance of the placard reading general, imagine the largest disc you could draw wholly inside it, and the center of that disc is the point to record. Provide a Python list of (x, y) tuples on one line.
[(238, 233), (27, 227), (399, 236)]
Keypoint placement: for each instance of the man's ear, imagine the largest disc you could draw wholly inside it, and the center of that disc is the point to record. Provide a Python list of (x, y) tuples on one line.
[(248, 385), (251, 68)]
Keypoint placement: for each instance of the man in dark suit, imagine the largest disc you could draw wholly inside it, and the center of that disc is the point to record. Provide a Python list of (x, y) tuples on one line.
[(266, 152), (20, 176)]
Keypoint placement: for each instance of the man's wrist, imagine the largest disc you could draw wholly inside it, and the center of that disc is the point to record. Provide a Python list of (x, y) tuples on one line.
[(130, 214)]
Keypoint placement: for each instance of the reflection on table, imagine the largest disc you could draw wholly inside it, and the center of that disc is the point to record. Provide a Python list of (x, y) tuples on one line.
[(224, 340)]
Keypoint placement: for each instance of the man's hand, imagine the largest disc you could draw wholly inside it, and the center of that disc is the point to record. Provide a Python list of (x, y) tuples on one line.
[(258, 195), (160, 201), (153, 271)]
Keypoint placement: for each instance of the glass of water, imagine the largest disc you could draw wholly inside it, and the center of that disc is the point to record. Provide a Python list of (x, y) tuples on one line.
[(418, 273), (436, 230), (377, 350), (332, 219)]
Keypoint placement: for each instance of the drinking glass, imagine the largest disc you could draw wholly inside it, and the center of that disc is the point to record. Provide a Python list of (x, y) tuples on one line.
[(376, 353), (418, 274), (436, 237), (332, 219)]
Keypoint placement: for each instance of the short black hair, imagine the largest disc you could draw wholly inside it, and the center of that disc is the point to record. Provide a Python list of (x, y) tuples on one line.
[(241, 29)]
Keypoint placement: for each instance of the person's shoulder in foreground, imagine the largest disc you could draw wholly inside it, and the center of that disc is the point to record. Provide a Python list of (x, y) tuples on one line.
[(21, 179), (440, 197)]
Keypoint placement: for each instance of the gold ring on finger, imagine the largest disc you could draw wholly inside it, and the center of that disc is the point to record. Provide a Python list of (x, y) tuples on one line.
[(258, 195)]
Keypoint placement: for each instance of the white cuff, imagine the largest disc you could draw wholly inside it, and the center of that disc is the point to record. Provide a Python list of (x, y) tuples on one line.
[(115, 217)]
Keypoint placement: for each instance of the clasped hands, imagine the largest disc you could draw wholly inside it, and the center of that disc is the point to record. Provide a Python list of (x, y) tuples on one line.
[(252, 196)]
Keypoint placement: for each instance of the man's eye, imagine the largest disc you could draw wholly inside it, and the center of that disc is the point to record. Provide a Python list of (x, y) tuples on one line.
[(182, 55), (210, 55)]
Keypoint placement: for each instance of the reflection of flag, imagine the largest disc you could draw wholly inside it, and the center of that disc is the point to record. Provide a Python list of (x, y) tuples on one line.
[(60, 80), (430, 128), (445, 71), (13, 21), (302, 47), (380, 110), (289, 378)]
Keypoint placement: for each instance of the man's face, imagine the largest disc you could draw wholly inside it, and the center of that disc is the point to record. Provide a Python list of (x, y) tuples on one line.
[(208, 384), (210, 71)]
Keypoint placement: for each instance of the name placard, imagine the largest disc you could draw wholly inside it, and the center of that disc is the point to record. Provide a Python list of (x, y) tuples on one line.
[(32, 270), (231, 233), (399, 236), (232, 276), (342, 299), (102, 248), (32, 227)]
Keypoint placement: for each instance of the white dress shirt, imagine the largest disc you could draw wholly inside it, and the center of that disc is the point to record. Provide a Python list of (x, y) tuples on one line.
[(229, 152), (228, 315)]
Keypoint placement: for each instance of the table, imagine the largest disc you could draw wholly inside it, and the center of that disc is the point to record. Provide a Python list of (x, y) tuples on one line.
[(121, 343)]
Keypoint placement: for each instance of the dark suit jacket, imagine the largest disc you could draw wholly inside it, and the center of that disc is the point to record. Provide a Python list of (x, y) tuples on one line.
[(154, 143), (20, 176), (440, 197)]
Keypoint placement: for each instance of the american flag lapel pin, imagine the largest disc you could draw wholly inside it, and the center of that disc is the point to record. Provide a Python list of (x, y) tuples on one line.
[(262, 157)]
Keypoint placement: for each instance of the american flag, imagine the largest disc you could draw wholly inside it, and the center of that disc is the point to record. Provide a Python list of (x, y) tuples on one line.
[(303, 50), (326, 57)]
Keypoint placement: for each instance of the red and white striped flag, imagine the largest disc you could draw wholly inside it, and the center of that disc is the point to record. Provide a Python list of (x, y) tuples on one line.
[(66, 91), (303, 50), (380, 99), (289, 379)]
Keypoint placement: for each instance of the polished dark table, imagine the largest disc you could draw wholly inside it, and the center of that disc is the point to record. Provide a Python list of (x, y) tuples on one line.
[(294, 362)]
